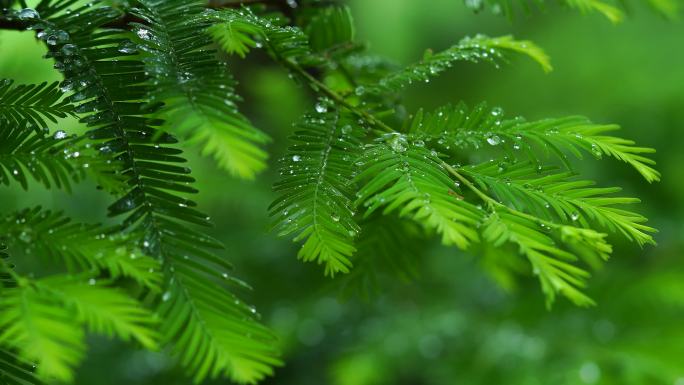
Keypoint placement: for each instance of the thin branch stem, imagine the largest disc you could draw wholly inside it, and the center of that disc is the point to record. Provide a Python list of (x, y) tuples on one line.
[(466, 182), (12, 25), (493, 203), (317, 84)]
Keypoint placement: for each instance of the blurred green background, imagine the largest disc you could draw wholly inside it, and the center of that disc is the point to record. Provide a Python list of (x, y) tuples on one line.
[(453, 325)]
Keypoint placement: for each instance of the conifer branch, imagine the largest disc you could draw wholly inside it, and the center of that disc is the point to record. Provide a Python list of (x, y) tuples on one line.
[(147, 81)]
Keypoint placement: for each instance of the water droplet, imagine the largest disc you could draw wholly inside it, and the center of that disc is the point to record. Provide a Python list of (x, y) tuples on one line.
[(335, 217), (574, 216), (28, 14), (321, 108), (62, 36), (360, 90), (493, 140), (296, 158), (475, 5), (166, 296), (143, 34), (25, 237), (502, 166), (66, 86), (92, 281), (60, 134), (69, 49), (127, 47), (398, 142)]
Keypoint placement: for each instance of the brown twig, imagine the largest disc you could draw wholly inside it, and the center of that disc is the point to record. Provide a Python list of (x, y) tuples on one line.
[(13, 25)]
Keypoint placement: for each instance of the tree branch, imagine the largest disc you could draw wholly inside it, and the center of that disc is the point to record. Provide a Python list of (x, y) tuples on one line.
[(122, 22), (13, 25)]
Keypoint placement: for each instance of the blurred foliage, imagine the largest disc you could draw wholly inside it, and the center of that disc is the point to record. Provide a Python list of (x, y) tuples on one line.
[(451, 325)]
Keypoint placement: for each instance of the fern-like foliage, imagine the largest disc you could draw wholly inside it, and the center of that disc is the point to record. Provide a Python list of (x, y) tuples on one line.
[(476, 49), (556, 195), (49, 160), (403, 176), (210, 330), (16, 371), (407, 172), (459, 127), (553, 265), (331, 28), (43, 319), (196, 89), (32, 105), (316, 189), (79, 246), (239, 31), (145, 75)]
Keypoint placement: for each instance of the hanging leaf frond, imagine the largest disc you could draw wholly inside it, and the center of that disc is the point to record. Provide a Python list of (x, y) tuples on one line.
[(556, 195), (458, 126), (44, 319), (316, 189), (32, 106), (16, 371), (554, 266), (48, 160), (239, 31), (211, 332), (476, 49), (331, 27), (196, 89), (80, 247)]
